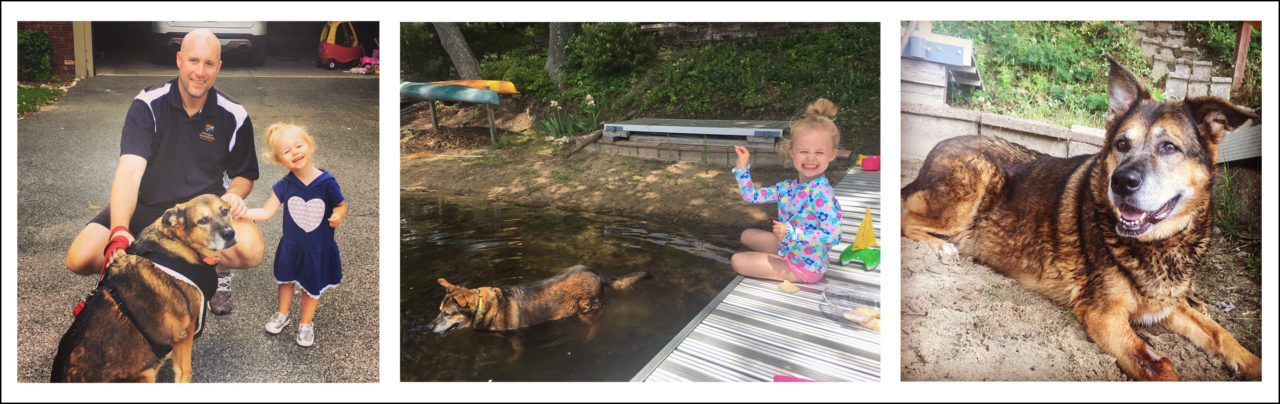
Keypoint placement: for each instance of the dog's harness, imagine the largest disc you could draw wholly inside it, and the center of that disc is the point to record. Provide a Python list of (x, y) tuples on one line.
[(479, 304)]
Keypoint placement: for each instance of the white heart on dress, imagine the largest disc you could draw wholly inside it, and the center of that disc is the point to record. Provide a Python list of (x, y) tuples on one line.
[(308, 214)]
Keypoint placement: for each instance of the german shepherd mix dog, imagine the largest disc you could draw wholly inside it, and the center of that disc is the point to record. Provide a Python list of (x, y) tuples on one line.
[(573, 291), (1115, 234), (149, 305)]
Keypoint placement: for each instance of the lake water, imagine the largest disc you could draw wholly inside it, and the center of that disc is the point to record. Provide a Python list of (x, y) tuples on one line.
[(473, 242)]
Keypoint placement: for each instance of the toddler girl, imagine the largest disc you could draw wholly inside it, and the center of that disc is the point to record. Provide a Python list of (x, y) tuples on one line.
[(307, 254), (808, 224)]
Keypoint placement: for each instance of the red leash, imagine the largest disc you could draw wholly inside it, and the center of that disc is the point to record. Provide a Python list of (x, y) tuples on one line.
[(116, 243)]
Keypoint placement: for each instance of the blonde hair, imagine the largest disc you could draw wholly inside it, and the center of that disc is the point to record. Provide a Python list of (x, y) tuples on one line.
[(817, 116), (275, 131)]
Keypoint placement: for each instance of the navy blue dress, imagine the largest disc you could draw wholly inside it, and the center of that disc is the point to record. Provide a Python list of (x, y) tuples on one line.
[(307, 254)]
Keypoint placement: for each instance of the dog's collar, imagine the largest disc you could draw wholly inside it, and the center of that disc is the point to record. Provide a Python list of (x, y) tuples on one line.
[(479, 305)]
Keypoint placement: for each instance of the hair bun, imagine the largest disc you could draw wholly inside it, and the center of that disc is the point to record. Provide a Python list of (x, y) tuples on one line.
[(822, 107)]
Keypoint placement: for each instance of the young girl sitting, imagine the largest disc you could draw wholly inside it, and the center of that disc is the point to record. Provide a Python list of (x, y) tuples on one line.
[(808, 224), (307, 254)]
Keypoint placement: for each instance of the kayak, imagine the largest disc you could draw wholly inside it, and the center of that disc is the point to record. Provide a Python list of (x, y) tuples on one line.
[(502, 87), (448, 92)]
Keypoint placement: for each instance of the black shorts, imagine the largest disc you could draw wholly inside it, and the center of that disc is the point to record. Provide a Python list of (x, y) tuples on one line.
[(143, 216)]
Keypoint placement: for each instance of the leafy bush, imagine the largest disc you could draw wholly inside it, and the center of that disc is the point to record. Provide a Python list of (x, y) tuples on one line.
[(1048, 70), (421, 56), (35, 56), (1220, 37), (561, 125), (610, 49), (525, 68)]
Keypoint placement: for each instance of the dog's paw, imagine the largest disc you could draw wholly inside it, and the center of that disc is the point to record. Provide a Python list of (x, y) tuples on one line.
[(1152, 367), (1251, 369), (948, 250)]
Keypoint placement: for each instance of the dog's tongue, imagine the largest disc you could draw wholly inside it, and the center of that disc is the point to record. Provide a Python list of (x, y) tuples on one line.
[(1131, 213)]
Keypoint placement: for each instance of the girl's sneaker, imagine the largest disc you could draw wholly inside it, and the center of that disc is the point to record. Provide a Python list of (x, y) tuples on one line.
[(277, 323), (306, 334)]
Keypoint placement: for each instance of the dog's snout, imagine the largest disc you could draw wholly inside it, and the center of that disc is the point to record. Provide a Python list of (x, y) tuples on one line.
[(228, 233), (1126, 180)]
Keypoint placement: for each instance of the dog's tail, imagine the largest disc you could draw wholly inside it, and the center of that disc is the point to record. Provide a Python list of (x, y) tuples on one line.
[(624, 281)]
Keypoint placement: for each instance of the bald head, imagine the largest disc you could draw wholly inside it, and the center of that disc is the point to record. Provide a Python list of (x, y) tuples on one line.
[(202, 38)]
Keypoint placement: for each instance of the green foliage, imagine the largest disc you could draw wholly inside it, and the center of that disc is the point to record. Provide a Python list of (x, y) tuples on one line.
[(1050, 70), (755, 78), (610, 49), (1220, 37), (561, 125), (31, 98), (1227, 202), (34, 56), (525, 68), (421, 56)]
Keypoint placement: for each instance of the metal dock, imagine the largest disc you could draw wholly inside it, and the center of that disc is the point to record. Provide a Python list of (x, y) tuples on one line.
[(752, 331)]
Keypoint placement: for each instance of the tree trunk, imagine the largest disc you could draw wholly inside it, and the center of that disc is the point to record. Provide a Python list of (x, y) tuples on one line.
[(456, 45), (561, 35)]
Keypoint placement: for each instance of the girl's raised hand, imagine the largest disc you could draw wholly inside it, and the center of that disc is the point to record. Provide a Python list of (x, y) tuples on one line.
[(744, 156)]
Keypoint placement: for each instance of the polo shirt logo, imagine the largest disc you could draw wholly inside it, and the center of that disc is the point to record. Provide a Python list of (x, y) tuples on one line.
[(207, 133)]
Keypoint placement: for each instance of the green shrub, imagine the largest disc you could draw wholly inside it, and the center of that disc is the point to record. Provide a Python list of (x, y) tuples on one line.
[(35, 56), (610, 49), (1046, 70), (1218, 36), (524, 68), (421, 56)]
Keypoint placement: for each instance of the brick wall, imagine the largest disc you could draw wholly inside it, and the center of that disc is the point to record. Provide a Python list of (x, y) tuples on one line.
[(60, 38), (717, 32)]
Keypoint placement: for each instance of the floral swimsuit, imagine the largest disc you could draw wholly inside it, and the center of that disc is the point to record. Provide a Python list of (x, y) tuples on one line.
[(811, 214)]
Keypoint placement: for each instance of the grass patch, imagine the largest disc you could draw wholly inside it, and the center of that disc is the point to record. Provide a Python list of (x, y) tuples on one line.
[(30, 99), (993, 290), (1227, 202)]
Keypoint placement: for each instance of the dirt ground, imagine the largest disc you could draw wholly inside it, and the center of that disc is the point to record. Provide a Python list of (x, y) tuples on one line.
[(457, 160), (963, 321)]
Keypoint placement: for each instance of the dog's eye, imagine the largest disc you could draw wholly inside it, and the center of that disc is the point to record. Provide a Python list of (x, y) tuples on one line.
[(1122, 145), (1168, 148), (203, 220)]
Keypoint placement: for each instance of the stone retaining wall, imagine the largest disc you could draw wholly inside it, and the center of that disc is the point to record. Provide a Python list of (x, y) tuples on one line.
[(926, 125)]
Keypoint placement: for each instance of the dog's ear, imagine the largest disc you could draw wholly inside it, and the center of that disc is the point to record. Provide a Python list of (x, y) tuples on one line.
[(1215, 117), (174, 217), (448, 287), (1124, 90)]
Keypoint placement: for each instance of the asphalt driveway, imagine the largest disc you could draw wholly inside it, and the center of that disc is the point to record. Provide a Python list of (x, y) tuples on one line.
[(67, 154)]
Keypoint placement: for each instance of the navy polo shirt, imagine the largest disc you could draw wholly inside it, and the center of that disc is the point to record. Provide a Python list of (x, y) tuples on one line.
[(187, 156)]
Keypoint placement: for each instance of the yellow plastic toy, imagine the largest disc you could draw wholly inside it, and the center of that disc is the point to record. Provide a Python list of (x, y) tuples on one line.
[(861, 250)]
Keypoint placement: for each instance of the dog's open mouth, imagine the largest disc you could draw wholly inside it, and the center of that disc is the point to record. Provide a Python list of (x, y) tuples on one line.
[(1134, 221)]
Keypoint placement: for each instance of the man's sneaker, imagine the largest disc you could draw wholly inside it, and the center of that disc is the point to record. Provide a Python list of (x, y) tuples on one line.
[(277, 323), (221, 302), (306, 334)]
